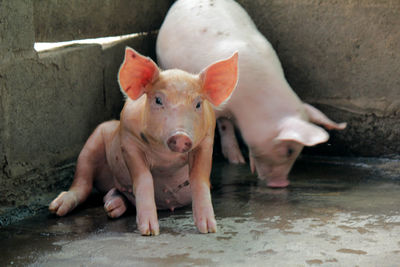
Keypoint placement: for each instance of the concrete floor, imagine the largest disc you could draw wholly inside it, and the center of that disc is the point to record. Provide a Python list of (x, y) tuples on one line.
[(335, 213)]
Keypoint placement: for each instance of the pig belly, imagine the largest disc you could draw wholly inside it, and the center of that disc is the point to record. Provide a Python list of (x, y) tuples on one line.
[(172, 189), (170, 177), (168, 197)]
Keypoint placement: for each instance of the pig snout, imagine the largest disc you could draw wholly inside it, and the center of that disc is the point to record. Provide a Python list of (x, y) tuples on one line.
[(275, 176), (179, 142), (278, 182)]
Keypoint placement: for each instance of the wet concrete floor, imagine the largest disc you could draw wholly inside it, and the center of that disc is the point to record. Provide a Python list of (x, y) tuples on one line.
[(335, 213)]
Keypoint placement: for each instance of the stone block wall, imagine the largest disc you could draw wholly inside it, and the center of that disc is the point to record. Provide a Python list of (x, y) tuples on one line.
[(51, 101)]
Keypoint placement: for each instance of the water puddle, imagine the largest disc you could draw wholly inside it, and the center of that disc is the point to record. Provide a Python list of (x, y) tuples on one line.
[(340, 212)]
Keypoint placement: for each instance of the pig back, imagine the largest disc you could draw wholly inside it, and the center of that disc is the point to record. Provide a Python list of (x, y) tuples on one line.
[(212, 30)]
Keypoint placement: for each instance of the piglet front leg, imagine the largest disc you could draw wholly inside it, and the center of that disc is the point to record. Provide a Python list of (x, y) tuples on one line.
[(143, 188), (203, 212), (200, 169), (146, 211)]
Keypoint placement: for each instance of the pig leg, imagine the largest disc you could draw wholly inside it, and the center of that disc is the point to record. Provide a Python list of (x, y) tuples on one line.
[(229, 143), (143, 187), (91, 157), (114, 203), (203, 212), (200, 163), (146, 212), (316, 116)]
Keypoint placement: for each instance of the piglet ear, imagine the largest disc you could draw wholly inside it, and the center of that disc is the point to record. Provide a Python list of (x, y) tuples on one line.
[(136, 73), (303, 132), (220, 79)]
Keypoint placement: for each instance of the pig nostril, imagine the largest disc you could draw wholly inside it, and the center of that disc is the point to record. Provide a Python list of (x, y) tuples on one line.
[(171, 142), (179, 143)]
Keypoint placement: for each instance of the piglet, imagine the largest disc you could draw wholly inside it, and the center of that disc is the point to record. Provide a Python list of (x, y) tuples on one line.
[(158, 156), (274, 122)]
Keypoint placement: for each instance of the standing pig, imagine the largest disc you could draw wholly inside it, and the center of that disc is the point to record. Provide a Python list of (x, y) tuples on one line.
[(273, 121), (159, 154)]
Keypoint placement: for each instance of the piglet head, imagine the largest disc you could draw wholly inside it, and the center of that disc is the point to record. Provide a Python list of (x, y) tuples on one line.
[(273, 159), (178, 110)]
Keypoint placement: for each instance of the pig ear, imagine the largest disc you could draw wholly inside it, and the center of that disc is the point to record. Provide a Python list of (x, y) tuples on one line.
[(317, 117), (303, 132), (220, 79), (135, 73)]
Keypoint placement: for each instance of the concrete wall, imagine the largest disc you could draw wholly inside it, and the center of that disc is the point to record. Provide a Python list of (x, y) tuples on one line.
[(51, 101), (342, 56), (77, 19)]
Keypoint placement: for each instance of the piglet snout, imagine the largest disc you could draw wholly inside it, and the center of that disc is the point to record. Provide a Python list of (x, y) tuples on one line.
[(179, 143), (278, 183)]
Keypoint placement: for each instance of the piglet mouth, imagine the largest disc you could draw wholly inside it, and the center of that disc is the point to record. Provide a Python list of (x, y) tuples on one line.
[(179, 142), (278, 183), (273, 182)]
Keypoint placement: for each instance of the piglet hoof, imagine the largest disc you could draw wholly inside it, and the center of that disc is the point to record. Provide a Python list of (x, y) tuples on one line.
[(147, 223), (237, 159), (205, 220), (64, 203), (233, 154), (114, 204)]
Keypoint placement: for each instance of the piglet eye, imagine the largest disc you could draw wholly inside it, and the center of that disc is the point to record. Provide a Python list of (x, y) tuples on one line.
[(198, 105), (158, 101), (290, 152)]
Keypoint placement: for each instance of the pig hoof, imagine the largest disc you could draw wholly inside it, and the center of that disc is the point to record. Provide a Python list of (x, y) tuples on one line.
[(146, 230), (237, 160), (64, 203), (151, 233), (206, 222), (114, 204), (147, 223), (234, 156), (207, 225)]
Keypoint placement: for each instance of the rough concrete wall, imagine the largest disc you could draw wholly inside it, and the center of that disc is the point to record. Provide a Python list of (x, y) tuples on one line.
[(50, 102), (16, 29), (44, 97), (77, 19), (343, 57)]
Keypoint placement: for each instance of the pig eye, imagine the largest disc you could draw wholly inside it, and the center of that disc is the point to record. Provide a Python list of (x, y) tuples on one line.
[(198, 105), (289, 152), (158, 101)]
